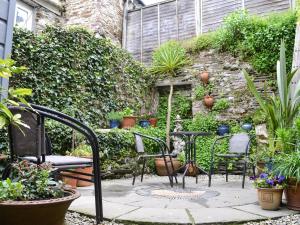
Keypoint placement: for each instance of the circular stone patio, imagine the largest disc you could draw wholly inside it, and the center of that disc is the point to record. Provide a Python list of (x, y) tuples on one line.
[(154, 201)]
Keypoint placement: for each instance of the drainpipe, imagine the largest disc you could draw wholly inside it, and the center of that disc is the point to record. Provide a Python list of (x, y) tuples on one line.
[(124, 33)]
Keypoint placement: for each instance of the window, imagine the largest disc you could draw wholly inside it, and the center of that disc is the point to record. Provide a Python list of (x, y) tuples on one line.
[(24, 15)]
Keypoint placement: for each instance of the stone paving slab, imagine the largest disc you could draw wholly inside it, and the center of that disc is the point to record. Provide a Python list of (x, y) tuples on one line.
[(155, 202), (255, 209)]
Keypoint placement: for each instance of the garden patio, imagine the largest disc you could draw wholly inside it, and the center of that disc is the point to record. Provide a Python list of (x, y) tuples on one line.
[(193, 119)]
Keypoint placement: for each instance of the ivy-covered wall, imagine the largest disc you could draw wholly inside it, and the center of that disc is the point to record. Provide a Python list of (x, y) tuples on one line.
[(75, 72)]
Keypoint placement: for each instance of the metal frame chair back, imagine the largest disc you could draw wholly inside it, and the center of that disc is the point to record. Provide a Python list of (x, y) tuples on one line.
[(239, 143)]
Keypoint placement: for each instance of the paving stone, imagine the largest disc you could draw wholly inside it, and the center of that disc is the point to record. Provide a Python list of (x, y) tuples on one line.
[(219, 215), (255, 209)]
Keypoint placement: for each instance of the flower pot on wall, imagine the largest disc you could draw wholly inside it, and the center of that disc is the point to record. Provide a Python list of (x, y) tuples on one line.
[(269, 198), (128, 121), (223, 129), (292, 194), (144, 123), (161, 167), (153, 122), (46, 212), (209, 101), (204, 77)]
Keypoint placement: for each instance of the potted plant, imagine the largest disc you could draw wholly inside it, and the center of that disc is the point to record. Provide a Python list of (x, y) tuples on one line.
[(129, 120), (288, 165), (208, 98), (204, 77), (223, 129), (83, 151), (144, 121), (114, 119), (269, 189), (31, 196), (153, 119)]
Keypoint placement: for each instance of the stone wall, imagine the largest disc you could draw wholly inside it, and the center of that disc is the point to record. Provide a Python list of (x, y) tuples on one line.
[(103, 17), (46, 17), (225, 73)]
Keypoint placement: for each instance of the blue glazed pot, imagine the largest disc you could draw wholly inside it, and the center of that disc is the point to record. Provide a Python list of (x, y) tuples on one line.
[(247, 126), (114, 123), (222, 130), (144, 123)]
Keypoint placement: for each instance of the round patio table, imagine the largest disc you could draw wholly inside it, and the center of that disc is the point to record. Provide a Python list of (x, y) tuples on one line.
[(190, 138)]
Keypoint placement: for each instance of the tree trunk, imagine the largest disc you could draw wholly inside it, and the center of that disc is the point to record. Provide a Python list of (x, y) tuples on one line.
[(169, 116)]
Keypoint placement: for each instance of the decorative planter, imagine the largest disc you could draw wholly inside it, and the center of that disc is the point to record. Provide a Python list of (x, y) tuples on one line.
[(81, 183), (161, 167), (46, 212), (114, 123), (223, 129), (144, 123), (247, 126), (292, 194), (269, 198), (153, 122), (128, 121), (209, 101), (204, 77), (70, 181)]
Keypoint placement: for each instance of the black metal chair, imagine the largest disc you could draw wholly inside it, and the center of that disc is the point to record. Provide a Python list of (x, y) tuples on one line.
[(239, 145), (32, 144), (142, 156)]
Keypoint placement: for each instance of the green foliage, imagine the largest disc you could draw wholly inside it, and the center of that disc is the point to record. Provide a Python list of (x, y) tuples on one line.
[(285, 139), (256, 39), (82, 150), (280, 110), (221, 105), (75, 72), (288, 165), (30, 182), (168, 59), (114, 116), (7, 69), (182, 106), (200, 92), (127, 112), (204, 122)]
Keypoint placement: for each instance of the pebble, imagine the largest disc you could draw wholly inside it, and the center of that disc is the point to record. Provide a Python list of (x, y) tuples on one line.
[(73, 218), (286, 220)]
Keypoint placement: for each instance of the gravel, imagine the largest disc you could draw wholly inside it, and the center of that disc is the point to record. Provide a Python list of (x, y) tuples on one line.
[(286, 220), (73, 218)]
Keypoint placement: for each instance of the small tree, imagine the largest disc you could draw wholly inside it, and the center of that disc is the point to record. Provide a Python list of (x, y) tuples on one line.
[(167, 60)]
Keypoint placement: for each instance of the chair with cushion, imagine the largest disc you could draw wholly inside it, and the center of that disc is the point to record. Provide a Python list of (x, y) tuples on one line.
[(34, 145), (239, 145), (143, 157)]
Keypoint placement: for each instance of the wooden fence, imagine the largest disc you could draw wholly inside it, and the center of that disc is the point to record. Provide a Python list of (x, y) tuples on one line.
[(148, 27)]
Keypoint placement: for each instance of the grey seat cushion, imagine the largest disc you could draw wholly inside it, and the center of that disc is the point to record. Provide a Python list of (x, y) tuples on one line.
[(58, 160), (231, 155)]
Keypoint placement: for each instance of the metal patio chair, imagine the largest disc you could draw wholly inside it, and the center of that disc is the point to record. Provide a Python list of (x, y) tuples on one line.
[(239, 145), (32, 144), (142, 156)]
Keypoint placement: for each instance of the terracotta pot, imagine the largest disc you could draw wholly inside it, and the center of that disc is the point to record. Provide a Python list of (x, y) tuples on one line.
[(129, 121), (269, 198), (153, 122), (192, 170), (81, 183), (292, 194), (204, 77), (70, 181), (208, 101), (46, 212), (161, 167)]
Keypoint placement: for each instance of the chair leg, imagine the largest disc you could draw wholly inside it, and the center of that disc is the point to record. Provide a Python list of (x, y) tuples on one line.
[(226, 170), (173, 170), (244, 174), (210, 172), (253, 169), (143, 170), (133, 180), (168, 172), (135, 171), (6, 172)]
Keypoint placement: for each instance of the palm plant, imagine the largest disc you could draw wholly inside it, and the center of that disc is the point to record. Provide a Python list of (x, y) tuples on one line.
[(167, 60), (280, 110)]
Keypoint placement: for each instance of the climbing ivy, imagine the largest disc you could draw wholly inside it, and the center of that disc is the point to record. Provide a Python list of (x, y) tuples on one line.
[(75, 72)]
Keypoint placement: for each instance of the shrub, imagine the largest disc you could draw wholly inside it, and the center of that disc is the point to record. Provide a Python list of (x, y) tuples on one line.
[(221, 105)]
